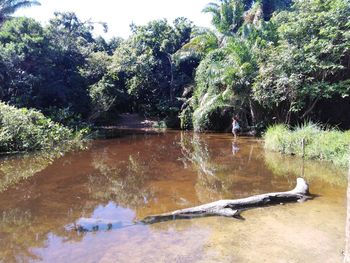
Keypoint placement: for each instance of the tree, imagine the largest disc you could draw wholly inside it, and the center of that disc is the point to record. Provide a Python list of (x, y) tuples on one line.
[(145, 67), (309, 62), (107, 46), (50, 68), (229, 64), (70, 45), (22, 61), (227, 16), (9, 7)]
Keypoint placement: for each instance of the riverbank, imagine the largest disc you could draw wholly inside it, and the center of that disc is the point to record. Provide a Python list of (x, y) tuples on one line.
[(310, 141), (24, 130)]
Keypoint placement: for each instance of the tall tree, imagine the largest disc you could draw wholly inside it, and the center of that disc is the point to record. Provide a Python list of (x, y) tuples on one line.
[(9, 7), (311, 61), (229, 64)]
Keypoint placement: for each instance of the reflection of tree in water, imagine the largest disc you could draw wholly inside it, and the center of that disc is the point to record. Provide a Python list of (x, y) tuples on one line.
[(282, 165), (17, 168), (123, 182), (213, 182), (26, 223), (195, 150)]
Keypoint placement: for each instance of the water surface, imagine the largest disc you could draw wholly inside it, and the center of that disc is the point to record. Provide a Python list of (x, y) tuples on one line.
[(140, 174)]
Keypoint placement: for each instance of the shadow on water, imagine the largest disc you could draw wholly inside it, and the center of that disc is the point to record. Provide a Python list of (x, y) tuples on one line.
[(127, 179)]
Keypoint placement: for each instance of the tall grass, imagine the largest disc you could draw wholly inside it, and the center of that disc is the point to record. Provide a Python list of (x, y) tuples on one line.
[(320, 143)]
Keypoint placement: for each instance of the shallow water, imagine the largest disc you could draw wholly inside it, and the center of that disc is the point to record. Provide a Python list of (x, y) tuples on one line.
[(140, 174)]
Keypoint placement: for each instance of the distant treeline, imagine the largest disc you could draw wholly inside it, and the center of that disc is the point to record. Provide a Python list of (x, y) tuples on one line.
[(266, 61)]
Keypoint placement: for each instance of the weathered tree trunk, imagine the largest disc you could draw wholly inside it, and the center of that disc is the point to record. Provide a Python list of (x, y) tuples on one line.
[(228, 208), (232, 208)]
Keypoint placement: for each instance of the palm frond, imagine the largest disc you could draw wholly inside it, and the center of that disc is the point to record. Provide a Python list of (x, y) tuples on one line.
[(9, 7), (211, 8)]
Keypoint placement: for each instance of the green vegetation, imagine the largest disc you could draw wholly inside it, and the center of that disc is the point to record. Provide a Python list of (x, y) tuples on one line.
[(266, 61), (319, 143), (28, 130), (284, 61)]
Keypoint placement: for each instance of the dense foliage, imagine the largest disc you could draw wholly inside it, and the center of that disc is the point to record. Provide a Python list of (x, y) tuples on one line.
[(266, 61), (273, 67), (28, 130), (310, 60), (145, 76)]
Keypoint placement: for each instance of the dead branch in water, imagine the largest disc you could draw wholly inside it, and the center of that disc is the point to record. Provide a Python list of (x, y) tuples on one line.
[(228, 208), (232, 208)]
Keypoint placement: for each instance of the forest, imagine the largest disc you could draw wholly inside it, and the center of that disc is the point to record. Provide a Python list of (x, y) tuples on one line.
[(267, 62)]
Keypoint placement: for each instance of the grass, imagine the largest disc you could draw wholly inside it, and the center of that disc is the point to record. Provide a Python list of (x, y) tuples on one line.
[(320, 143)]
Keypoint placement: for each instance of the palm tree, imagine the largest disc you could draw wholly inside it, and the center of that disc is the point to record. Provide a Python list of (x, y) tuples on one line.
[(9, 7), (227, 16), (202, 42)]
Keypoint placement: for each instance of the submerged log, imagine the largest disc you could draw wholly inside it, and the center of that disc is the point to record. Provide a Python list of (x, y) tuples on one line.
[(233, 208)]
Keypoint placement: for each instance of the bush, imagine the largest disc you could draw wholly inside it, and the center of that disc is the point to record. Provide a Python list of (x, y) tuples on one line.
[(28, 130), (319, 143)]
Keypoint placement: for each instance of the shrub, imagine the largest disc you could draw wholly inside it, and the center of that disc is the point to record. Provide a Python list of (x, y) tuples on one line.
[(27, 130), (65, 116)]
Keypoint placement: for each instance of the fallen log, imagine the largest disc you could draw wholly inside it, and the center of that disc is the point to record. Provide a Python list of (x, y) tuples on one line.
[(233, 208), (228, 208)]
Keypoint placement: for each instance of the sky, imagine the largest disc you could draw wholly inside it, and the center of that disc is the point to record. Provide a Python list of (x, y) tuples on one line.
[(119, 14)]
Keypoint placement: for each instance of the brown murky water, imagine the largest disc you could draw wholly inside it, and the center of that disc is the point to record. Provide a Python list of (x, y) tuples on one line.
[(141, 174)]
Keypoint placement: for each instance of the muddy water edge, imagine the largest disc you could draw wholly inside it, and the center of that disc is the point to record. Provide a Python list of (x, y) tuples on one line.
[(144, 173)]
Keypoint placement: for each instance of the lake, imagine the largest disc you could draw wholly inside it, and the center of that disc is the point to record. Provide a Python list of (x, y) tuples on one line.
[(143, 173)]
